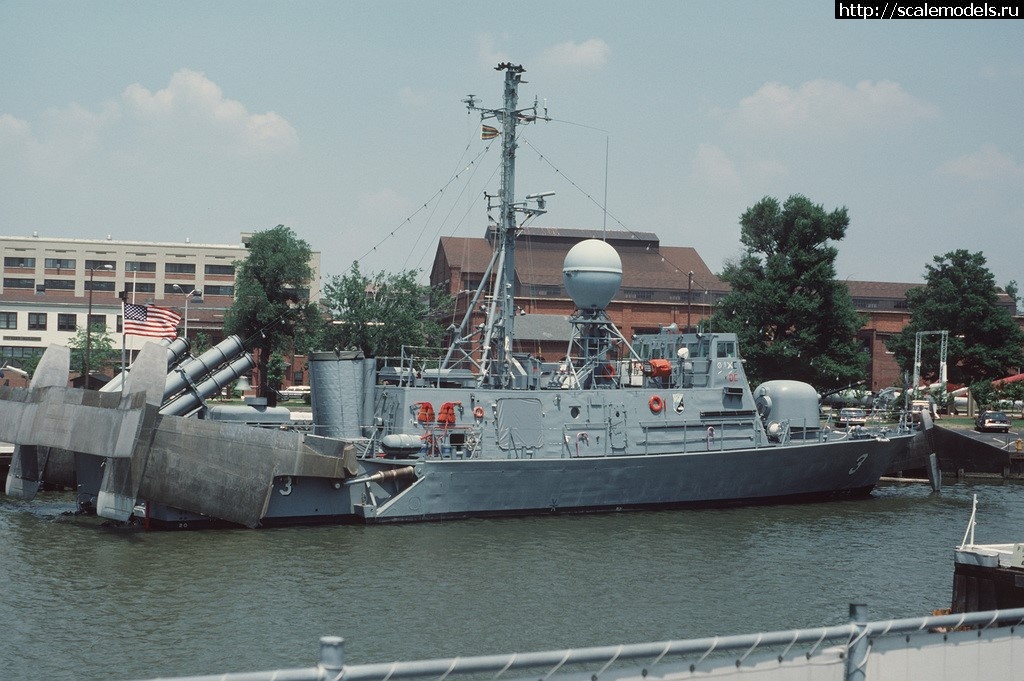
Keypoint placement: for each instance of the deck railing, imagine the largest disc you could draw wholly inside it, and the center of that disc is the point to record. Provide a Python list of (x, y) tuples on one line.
[(862, 649)]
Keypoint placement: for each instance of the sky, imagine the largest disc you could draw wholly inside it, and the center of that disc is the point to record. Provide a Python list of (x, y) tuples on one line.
[(344, 121)]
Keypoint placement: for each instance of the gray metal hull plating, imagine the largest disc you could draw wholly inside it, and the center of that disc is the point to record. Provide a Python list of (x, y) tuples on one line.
[(459, 488)]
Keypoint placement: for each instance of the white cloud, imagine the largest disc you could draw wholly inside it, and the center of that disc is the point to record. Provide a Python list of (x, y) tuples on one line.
[(193, 102), (987, 165), (588, 54), (712, 167), (825, 105), (169, 124)]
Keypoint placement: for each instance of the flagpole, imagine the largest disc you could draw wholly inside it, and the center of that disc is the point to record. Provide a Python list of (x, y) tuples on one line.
[(123, 345)]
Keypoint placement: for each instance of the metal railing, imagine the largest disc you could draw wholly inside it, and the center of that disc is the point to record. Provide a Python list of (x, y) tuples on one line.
[(847, 644)]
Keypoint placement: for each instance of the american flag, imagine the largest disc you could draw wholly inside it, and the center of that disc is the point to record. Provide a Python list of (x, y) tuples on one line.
[(151, 321)]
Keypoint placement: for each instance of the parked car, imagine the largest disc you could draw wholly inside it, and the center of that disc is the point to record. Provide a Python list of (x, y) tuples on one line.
[(992, 420), (300, 392), (852, 417)]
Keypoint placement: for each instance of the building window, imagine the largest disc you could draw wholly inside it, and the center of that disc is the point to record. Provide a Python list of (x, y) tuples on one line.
[(109, 265), (67, 322), (8, 320), (120, 324), (211, 290), (639, 294), (59, 264), (17, 352), (297, 378), (19, 262), (220, 269), (14, 282), (185, 288), (180, 268), (59, 284), (98, 321), (139, 266), (99, 285), (139, 288), (37, 321)]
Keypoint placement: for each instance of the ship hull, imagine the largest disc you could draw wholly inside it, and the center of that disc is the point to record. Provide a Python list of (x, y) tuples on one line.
[(465, 488)]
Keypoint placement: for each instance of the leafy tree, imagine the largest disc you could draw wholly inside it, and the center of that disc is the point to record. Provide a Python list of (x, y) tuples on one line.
[(793, 319), (28, 363), (960, 297), (984, 393), (275, 370), (380, 314), (271, 310), (101, 349), (1013, 291), (201, 343)]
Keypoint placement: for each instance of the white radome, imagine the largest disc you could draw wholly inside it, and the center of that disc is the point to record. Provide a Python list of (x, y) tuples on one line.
[(592, 273)]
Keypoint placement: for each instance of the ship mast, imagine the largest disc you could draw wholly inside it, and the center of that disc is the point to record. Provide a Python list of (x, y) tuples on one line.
[(496, 351)]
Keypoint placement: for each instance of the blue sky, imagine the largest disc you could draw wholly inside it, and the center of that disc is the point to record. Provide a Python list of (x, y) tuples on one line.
[(200, 120)]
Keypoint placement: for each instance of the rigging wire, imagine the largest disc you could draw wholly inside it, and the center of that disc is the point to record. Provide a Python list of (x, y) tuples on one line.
[(586, 194), (441, 224), (437, 194)]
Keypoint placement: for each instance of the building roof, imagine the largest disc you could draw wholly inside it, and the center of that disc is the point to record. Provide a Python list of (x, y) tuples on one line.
[(880, 289), (540, 253)]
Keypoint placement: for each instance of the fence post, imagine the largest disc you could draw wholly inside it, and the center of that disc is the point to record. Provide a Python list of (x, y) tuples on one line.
[(857, 648), (332, 653)]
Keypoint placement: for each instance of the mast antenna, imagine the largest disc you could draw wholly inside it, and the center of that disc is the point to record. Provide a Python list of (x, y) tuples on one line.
[(495, 362)]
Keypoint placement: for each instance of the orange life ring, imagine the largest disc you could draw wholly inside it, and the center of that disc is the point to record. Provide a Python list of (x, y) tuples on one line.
[(656, 404), (478, 411)]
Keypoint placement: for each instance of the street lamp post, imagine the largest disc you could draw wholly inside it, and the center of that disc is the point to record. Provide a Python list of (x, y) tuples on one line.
[(194, 293), (88, 321)]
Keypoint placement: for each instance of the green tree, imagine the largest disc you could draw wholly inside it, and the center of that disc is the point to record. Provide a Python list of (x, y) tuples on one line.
[(793, 319), (101, 349), (28, 363), (960, 296), (271, 310), (1013, 291), (201, 343), (275, 370), (380, 314)]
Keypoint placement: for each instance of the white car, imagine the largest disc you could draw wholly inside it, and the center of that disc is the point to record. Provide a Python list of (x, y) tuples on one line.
[(852, 417), (300, 392)]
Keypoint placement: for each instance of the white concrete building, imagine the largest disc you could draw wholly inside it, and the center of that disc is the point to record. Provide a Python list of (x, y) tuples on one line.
[(48, 282)]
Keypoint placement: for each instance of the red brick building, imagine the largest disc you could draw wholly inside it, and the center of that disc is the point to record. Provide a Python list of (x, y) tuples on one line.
[(661, 285)]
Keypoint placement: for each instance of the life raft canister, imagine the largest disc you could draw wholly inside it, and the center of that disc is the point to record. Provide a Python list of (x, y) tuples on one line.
[(426, 413), (656, 404), (446, 414)]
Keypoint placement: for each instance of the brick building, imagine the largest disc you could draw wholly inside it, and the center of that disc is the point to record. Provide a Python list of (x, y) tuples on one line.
[(661, 285)]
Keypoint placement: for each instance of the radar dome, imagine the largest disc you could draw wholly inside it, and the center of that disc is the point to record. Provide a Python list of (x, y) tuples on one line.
[(592, 273)]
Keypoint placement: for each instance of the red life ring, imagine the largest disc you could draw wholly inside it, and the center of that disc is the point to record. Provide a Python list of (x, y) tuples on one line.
[(656, 404), (478, 411)]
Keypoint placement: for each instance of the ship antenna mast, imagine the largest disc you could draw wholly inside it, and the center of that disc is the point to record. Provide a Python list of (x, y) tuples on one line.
[(497, 343)]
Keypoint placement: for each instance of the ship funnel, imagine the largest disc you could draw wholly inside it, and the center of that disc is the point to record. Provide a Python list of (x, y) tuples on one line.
[(592, 273)]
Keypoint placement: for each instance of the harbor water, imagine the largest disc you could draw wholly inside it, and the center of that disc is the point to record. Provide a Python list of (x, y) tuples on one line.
[(82, 600)]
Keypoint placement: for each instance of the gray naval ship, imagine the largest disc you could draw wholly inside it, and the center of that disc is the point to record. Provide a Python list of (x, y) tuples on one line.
[(665, 420)]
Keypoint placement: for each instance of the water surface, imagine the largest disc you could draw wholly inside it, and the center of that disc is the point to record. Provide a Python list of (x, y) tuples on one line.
[(85, 601)]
